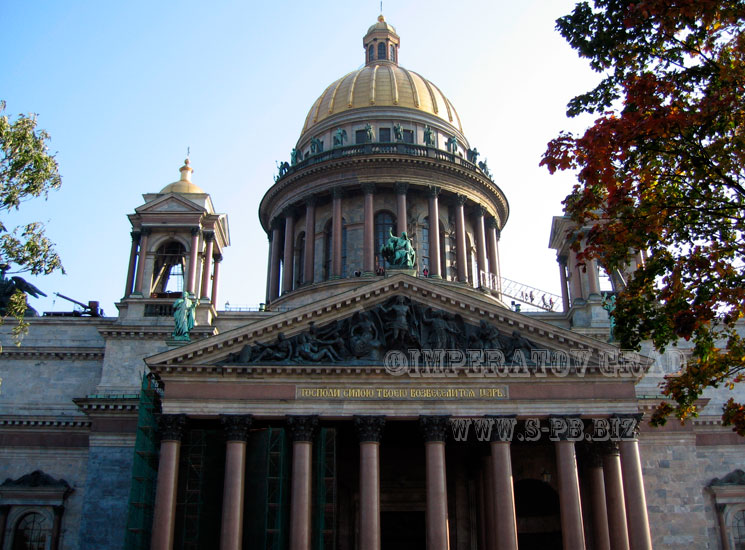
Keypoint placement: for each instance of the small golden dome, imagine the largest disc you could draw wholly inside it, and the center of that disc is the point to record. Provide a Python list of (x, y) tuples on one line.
[(381, 25), (381, 85), (184, 185)]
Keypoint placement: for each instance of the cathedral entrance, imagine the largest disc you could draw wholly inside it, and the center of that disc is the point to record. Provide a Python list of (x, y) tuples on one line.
[(538, 518)]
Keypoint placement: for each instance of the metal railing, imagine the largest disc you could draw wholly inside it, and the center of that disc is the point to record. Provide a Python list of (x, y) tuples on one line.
[(398, 148)]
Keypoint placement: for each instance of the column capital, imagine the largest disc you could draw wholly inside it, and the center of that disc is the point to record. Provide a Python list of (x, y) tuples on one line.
[(433, 190), (338, 193), (217, 258), (145, 231), (401, 187), (276, 223), (628, 425), (171, 426), (564, 427), (209, 236), (480, 210), (236, 426), (195, 231), (302, 428), (434, 428), (609, 447), (369, 428), (135, 235), (502, 433), (368, 188), (311, 200), (289, 212), (460, 200), (562, 259), (492, 223)]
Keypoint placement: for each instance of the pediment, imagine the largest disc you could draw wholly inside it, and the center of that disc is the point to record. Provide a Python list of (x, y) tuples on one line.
[(170, 202), (401, 312)]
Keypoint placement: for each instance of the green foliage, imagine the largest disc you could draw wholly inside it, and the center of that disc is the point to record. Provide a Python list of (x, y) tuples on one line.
[(27, 170), (662, 170)]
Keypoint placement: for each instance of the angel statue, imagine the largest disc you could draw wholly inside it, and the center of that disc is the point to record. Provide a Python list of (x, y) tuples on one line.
[(11, 285)]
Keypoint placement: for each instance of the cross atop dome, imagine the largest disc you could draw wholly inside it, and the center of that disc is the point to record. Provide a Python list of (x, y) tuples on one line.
[(381, 43)]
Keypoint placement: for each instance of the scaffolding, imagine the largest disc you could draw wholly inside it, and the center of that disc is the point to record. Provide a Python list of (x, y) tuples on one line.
[(144, 468), (324, 532)]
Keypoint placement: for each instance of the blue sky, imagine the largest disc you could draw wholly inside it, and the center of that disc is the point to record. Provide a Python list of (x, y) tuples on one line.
[(125, 88)]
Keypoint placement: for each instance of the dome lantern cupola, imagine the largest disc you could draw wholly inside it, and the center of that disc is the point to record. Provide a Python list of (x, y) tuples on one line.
[(381, 43)]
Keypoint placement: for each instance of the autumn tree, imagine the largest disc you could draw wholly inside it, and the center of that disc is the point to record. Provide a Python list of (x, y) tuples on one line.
[(27, 170), (662, 171)]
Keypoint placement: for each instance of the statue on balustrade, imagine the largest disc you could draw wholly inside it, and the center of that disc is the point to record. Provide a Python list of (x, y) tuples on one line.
[(340, 136), (398, 132)]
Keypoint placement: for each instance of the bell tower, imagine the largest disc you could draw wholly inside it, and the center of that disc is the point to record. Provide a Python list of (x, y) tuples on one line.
[(177, 244)]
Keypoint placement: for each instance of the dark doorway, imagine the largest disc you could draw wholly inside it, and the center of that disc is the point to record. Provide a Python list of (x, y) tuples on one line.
[(538, 516), (402, 530)]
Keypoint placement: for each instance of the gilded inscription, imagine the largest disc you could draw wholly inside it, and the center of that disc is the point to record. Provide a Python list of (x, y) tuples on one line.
[(421, 393)]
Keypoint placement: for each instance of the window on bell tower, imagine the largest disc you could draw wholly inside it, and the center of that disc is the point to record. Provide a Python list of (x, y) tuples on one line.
[(381, 51)]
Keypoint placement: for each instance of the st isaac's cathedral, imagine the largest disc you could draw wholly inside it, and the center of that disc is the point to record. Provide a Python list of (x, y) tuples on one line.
[(388, 393)]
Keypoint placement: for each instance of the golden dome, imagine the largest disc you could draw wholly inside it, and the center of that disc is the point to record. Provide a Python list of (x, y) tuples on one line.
[(184, 185), (382, 84), (381, 25)]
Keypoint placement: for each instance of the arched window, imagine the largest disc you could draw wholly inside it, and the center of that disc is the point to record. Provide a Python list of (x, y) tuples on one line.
[(381, 51), (328, 249), (30, 533), (169, 268), (393, 52), (370, 53), (384, 223), (738, 530), (299, 260)]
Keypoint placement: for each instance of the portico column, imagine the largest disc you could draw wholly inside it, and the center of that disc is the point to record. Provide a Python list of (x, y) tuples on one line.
[(564, 285), (56, 526), (276, 244), (592, 277), (572, 529), (633, 487), (435, 271), (492, 239), (302, 429), (598, 506), (614, 499), (204, 291), (575, 275), (336, 230), (401, 221), (368, 238), (460, 239), (216, 278), (310, 240), (141, 259), (504, 492), (480, 243), (369, 431), (193, 260), (434, 429), (236, 433), (132, 262), (171, 428), (289, 249)]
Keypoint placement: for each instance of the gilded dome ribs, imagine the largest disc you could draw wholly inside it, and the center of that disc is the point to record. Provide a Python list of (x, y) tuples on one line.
[(333, 96), (394, 85), (431, 93), (413, 87), (350, 101), (372, 84)]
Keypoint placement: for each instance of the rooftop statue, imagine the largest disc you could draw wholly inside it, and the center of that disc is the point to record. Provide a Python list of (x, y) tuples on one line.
[(295, 156), (398, 132), (429, 136), (398, 251), (369, 135), (316, 146), (452, 145), (340, 137), (11, 285), (183, 317)]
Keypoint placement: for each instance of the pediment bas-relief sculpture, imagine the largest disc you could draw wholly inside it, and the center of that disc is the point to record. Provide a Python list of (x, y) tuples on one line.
[(397, 324)]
